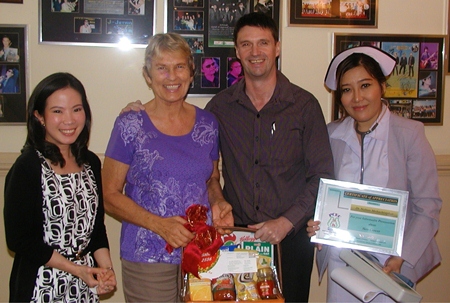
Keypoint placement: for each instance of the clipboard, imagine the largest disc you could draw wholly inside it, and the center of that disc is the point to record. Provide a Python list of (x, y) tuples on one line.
[(392, 284)]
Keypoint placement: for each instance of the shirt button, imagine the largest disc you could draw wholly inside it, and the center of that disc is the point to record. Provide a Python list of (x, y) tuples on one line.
[(257, 185), (256, 161), (257, 207), (256, 138), (257, 116)]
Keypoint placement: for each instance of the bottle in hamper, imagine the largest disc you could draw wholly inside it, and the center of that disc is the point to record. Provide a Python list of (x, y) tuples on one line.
[(266, 284), (223, 288)]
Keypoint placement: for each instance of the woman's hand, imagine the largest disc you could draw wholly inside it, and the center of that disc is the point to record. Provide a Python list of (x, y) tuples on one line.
[(173, 231), (107, 281), (89, 274), (393, 263), (312, 227)]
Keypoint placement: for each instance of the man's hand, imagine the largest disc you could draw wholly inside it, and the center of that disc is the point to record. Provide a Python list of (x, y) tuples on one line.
[(222, 216), (273, 231), (134, 106)]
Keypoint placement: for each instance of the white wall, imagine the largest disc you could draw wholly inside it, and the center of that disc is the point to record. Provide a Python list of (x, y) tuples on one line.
[(112, 77)]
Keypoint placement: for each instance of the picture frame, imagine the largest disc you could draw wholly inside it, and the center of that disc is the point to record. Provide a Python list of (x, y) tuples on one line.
[(447, 44), (414, 91), (97, 23), (333, 13), (210, 37), (359, 216), (13, 73), (12, 1)]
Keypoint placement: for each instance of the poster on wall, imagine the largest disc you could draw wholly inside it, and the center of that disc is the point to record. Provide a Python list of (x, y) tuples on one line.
[(207, 26), (13, 74), (96, 22), (414, 89)]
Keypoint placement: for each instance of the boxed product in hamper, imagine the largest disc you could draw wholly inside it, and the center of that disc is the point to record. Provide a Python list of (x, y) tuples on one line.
[(243, 269)]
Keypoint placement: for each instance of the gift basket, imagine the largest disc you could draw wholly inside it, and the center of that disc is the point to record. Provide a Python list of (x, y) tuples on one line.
[(232, 267)]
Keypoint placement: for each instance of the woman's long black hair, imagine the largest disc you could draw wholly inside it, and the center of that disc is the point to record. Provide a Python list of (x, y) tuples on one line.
[(36, 131)]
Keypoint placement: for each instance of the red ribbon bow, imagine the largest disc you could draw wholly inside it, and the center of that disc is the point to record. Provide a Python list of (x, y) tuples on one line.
[(207, 239)]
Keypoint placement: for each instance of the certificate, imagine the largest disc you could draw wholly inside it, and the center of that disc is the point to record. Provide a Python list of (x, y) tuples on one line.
[(360, 216)]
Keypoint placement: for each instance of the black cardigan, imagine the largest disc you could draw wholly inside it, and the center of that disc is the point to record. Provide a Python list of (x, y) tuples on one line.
[(24, 218)]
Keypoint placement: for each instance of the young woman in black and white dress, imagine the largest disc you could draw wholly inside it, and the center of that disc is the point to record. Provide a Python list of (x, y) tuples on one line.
[(54, 215)]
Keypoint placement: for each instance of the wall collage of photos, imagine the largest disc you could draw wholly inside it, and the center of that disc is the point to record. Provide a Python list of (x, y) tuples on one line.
[(13, 88), (96, 22), (207, 26), (414, 88)]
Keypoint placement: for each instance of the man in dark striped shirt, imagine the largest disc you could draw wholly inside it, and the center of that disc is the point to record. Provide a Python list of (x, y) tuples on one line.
[(275, 148)]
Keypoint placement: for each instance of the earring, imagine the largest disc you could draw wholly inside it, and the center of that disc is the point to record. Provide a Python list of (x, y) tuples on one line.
[(43, 124)]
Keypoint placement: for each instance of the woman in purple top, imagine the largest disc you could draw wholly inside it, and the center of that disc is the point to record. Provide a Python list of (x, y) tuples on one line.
[(159, 162)]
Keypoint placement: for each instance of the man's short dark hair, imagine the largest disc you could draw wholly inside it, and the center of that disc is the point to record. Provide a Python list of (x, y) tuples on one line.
[(258, 20)]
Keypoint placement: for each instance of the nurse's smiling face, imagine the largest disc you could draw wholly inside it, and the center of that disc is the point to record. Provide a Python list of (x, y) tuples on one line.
[(361, 96)]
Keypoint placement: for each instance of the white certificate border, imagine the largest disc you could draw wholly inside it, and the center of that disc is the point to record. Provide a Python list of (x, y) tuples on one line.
[(326, 184)]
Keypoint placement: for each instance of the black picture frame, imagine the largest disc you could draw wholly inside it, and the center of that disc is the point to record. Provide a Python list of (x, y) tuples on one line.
[(333, 13), (417, 91), (447, 45), (13, 74), (108, 23), (12, 1), (215, 38)]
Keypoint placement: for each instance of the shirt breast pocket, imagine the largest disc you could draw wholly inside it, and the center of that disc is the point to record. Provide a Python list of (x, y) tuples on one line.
[(286, 146)]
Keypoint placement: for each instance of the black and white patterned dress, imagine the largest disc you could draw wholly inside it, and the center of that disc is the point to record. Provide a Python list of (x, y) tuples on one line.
[(70, 204)]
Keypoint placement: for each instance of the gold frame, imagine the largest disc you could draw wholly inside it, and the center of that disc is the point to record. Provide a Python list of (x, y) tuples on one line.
[(332, 16)]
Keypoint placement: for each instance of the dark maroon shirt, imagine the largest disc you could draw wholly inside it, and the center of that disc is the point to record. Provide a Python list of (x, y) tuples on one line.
[(272, 160)]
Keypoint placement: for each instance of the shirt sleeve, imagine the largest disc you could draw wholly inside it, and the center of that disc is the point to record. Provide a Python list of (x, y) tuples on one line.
[(424, 199), (125, 130), (23, 211)]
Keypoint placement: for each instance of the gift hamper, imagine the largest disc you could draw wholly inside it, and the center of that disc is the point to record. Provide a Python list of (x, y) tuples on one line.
[(241, 269)]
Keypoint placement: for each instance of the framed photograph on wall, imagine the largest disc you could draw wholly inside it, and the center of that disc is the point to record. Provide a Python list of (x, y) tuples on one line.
[(415, 87), (207, 26), (333, 13), (13, 73), (11, 1), (96, 23), (447, 45)]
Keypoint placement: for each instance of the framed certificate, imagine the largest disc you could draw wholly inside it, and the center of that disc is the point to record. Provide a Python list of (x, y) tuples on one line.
[(360, 216)]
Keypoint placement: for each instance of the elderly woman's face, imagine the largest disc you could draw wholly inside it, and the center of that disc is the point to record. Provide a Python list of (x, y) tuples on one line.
[(170, 76)]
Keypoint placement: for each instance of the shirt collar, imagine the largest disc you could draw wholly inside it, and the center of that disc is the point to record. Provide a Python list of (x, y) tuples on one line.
[(346, 129), (282, 92)]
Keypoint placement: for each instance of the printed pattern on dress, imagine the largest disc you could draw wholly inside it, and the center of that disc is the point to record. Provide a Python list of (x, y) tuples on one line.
[(70, 204), (158, 194)]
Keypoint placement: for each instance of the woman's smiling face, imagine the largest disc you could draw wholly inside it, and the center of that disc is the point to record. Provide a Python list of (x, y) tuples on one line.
[(361, 96)]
